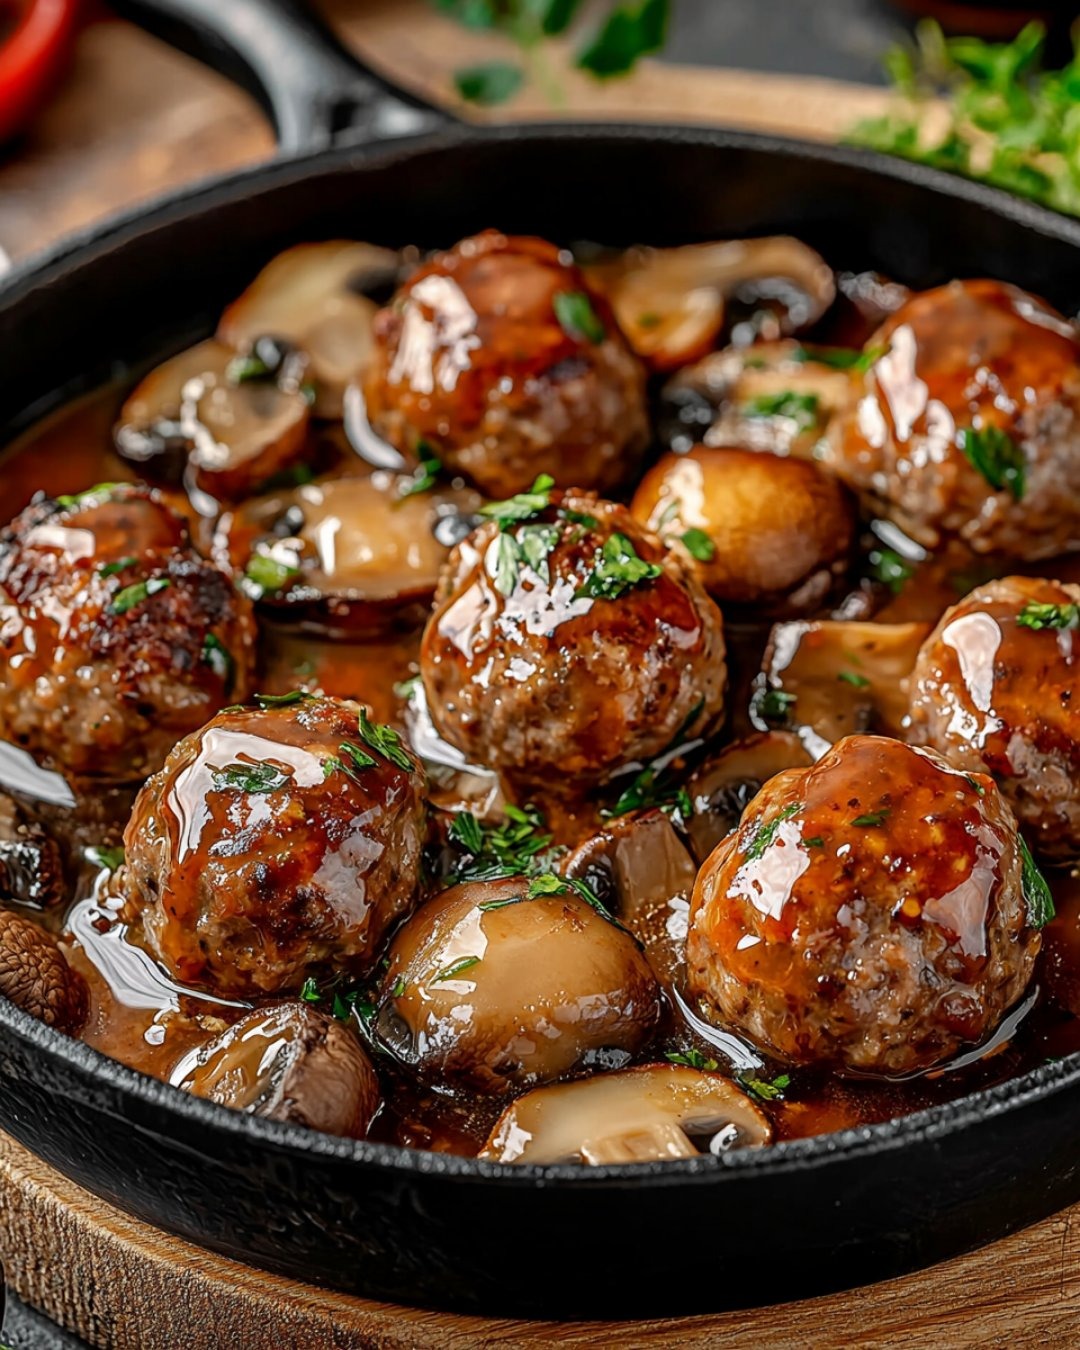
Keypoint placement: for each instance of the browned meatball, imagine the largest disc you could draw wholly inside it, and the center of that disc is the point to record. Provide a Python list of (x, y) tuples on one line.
[(276, 843), (35, 976), (117, 637), (967, 424), (501, 361), (490, 987), (868, 913), (761, 528), (996, 689), (288, 1062), (570, 643)]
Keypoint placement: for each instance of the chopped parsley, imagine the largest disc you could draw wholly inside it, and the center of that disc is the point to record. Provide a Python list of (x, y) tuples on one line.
[(800, 408), (247, 367), (282, 700), (1038, 616), (353, 760), (763, 1089), (425, 476), (698, 544), (486, 905), (136, 593), (545, 883), (814, 841), (853, 678), (529, 544), (218, 657), (653, 785), (1038, 899), (977, 786), (385, 741), (513, 848), (489, 83), (107, 858), (692, 1059), (774, 705), (267, 575), (577, 318), (455, 968), (260, 776), (841, 358), (766, 832), (872, 819), (523, 505), (310, 992), (616, 570), (888, 567), (84, 498), (111, 569), (994, 454)]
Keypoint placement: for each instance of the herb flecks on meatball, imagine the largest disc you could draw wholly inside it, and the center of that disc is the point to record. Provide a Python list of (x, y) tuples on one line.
[(875, 912), (566, 643)]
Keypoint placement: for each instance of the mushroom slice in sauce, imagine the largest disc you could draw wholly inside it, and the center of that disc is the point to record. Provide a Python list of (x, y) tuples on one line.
[(828, 679), (343, 555), (314, 296), (31, 872), (287, 1062), (776, 396), (650, 1114), (198, 414), (672, 303)]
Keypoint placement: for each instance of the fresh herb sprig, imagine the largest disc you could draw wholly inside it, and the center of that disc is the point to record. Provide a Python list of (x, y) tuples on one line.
[(1038, 899), (520, 846), (802, 409), (1040, 616), (994, 454), (616, 570)]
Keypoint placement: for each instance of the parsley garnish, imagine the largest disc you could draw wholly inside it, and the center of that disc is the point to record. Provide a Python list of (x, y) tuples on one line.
[(763, 1089), (1038, 616), (266, 574), (692, 1059), (111, 569), (218, 657), (384, 741), (888, 567), (247, 367), (653, 785), (774, 705), (698, 544), (1038, 899), (282, 700), (107, 858), (84, 498), (814, 841), (490, 83), (872, 819), (801, 408), (522, 506), (577, 318), (425, 476), (353, 759), (510, 849), (631, 31), (531, 544), (841, 358), (853, 678), (765, 833), (456, 968), (617, 569), (546, 883), (994, 454), (136, 593), (976, 785), (260, 776), (310, 992)]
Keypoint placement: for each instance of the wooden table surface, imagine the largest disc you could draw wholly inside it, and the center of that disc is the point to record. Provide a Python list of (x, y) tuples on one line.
[(135, 120)]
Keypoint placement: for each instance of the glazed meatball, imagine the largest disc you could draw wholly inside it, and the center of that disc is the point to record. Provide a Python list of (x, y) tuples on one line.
[(291, 1063), (996, 688), (35, 976), (761, 528), (570, 643), (117, 637), (276, 843), (497, 358), (869, 913), (489, 987), (966, 426)]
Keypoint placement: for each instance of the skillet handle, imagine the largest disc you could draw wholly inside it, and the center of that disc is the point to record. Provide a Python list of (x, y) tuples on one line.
[(312, 89)]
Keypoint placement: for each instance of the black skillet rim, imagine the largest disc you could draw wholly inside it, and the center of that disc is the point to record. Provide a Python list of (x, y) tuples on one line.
[(925, 1126)]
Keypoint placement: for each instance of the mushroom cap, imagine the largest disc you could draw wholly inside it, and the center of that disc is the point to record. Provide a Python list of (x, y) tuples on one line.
[(653, 1113), (35, 976), (487, 987)]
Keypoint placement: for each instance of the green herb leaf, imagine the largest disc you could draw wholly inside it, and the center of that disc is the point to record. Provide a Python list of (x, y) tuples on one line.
[(994, 454), (763, 1089), (630, 32), (536, 543), (247, 367), (218, 657), (282, 700), (698, 544), (692, 1059), (523, 506), (800, 408), (425, 477), (577, 318), (385, 741), (353, 760), (1038, 616), (517, 847), (888, 567), (490, 83), (1038, 899), (766, 832), (814, 841), (137, 593), (88, 495), (456, 968), (872, 819), (310, 991), (853, 678), (546, 883), (111, 569), (842, 358), (107, 858), (617, 569), (267, 575), (774, 705), (507, 564), (487, 905), (259, 776)]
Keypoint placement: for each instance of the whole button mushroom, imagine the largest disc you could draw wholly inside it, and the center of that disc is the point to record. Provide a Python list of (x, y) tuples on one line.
[(497, 359), (966, 423), (655, 1113), (875, 912), (117, 637), (996, 689), (567, 643), (277, 843), (35, 976), (504, 984), (290, 1063)]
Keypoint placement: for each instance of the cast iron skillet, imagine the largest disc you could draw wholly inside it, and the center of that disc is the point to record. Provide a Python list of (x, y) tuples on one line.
[(755, 1227)]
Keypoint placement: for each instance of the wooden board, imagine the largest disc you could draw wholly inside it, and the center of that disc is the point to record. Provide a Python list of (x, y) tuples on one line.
[(124, 1286)]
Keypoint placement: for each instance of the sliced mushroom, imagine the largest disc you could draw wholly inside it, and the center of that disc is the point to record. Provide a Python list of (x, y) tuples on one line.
[(655, 1113), (35, 976), (723, 784), (772, 396), (829, 679), (199, 412), (672, 302), (315, 295), (640, 870), (288, 1062), (31, 872), (343, 555)]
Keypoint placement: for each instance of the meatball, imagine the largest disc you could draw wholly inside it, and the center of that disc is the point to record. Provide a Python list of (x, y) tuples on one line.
[(117, 637), (289, 1063), (276, 843), (566, 642), (996, 689), (498, 359), (35, 976), (492, 985), (966, 426), (761, 528), (869, 913)]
